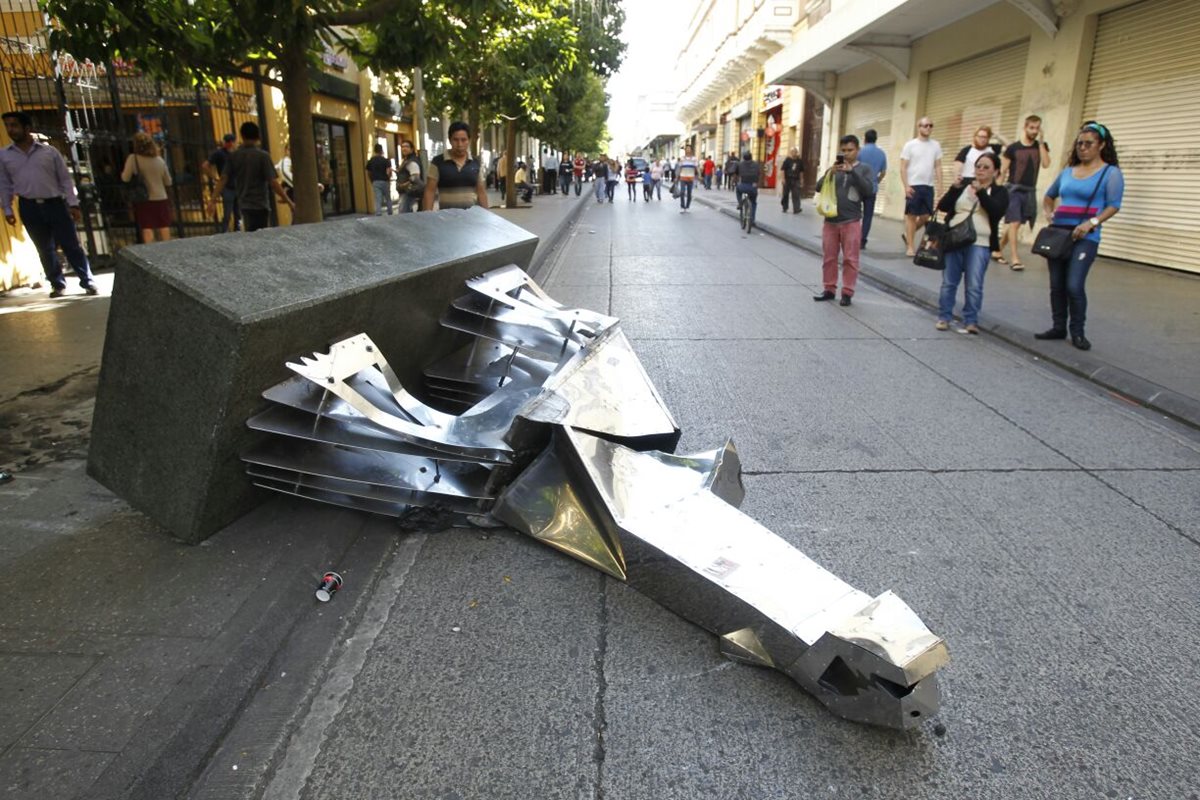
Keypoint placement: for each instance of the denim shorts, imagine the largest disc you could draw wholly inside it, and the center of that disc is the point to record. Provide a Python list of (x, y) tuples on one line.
[(921, 203)]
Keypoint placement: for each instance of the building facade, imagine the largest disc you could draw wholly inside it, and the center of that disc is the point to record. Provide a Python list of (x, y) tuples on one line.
[(90, 110), (726, 104), (1134, 66)]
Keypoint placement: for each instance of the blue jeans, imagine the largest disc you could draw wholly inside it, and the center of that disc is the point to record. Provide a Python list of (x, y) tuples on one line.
[(970, 261), (1067, 297), (49, 223), (564, 182), (685, 194), (868, 215), (230, 210), (383, 197), (599, 190)]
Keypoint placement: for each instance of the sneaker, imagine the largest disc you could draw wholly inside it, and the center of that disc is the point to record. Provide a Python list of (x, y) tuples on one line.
[(942, 325), (823, 296), (845, 301), (972, 329), (91, 289), (57, 292)]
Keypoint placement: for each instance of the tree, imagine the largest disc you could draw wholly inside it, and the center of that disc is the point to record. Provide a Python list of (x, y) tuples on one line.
[(204, 41)]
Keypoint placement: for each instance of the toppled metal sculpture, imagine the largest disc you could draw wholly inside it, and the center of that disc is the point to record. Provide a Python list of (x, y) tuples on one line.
[(561, 435)]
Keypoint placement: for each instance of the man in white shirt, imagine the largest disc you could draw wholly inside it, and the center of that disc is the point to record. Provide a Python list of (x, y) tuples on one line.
[(550, 173), (921, 174)]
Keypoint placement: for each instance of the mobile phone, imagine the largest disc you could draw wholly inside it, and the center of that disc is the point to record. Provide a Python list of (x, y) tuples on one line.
[(840, 159)]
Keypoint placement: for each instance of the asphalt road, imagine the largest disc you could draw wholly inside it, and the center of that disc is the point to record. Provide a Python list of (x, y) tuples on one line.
[(1049, 531)]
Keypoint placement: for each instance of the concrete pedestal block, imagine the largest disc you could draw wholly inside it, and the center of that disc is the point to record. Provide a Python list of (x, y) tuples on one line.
[(198, 328)]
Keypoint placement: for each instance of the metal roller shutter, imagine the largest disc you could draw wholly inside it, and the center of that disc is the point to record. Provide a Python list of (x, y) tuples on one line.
[(982, 91), (1143, 85), (873, 109)]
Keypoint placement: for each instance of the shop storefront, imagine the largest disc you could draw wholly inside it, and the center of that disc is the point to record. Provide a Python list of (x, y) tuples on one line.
[(772, 108), (334, 167)]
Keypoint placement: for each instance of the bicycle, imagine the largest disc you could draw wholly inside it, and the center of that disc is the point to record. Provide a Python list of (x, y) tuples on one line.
[(746, 209)]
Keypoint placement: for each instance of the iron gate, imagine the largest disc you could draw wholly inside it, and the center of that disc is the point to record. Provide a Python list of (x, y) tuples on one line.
[(90, 110)]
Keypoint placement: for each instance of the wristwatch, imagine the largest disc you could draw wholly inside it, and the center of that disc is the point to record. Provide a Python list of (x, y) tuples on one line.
[(1095, 222)]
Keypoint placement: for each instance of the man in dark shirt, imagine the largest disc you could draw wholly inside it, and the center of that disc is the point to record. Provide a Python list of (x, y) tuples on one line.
[(793, 180), (379, 170), (454, 179), (1021, 163), (249, 168), (214, 167)]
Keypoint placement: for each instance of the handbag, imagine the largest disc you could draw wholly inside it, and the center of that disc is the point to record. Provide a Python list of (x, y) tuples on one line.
[(1055, 242), (675, 190), (929, 253), (135, 190), (962, 235), (827, 198)]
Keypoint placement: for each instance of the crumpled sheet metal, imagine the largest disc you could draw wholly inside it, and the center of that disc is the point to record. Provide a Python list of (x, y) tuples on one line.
[(563, 436), (659, 524)]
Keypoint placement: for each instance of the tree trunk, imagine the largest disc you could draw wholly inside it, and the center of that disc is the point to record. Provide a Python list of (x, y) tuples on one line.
[(473, 121), (297, 94), (510, 168)]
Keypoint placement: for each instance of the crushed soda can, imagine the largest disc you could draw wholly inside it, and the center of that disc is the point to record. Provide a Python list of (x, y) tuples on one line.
[(330, 583)]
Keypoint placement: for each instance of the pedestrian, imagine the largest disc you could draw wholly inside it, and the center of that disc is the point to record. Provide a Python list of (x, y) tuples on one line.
[(600, 171), (964, 162), (731, 163), (843, 233), (579, 168), (921, 174), (284, 168), (1021, 164), (686, 171), (410, 178), (379, 170), (521, 183), (656, 177), (719, 175), (502, 173), (793, 180), (1089, 191), (37, 174), (633, 177), (612, 178), (981, 198), (214, 168), (709, 169), (152, 215), (749, 173), (873, 156), (647, 184), (549, 172), (455, 179), (566, 169), (249, 168)]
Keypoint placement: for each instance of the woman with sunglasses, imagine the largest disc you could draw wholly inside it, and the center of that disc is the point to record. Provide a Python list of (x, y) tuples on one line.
[(985, 202), (1089, 192)]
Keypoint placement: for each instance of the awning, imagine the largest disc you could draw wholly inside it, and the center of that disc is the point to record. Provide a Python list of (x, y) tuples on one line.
[(705, 127), (856, 32)]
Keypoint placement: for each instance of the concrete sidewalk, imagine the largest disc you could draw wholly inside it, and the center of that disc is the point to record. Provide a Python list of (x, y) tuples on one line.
[(1144, 322), (124, 655)]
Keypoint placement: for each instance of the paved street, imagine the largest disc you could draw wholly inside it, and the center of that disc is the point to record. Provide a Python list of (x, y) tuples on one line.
[(1048, 530)]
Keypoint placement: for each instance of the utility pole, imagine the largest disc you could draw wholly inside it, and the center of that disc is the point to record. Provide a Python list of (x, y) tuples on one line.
[(419, 115)]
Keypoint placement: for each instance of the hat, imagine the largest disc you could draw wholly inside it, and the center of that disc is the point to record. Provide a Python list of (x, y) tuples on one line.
[(229, 137)]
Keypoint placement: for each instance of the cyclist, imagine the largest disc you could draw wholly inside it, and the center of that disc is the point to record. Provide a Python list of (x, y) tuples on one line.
[(749, 173)]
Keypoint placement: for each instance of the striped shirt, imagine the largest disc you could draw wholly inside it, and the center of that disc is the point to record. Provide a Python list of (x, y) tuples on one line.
[(457, 187), (1075, 194), (687, 169)]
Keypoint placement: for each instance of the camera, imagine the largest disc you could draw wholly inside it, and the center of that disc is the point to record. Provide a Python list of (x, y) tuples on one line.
[(840, 159)]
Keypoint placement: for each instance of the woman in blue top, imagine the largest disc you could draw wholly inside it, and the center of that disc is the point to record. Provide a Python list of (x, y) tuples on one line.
[(1089, 191)]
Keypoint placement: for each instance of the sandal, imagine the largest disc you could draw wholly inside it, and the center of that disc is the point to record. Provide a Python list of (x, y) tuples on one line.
[(1016, 266), (999, 259)]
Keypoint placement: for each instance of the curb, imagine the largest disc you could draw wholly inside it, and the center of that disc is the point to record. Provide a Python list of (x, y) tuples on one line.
[(1126, 385), (551, 242)]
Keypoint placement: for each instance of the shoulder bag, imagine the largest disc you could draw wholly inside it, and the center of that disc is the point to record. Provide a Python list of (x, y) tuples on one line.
[(136, 191), (929, 252), (962, 235), (1054, 242)]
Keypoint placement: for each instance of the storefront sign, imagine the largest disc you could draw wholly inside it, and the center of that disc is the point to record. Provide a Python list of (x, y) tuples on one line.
[(772, 96), (339, 61), (740, 110)]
